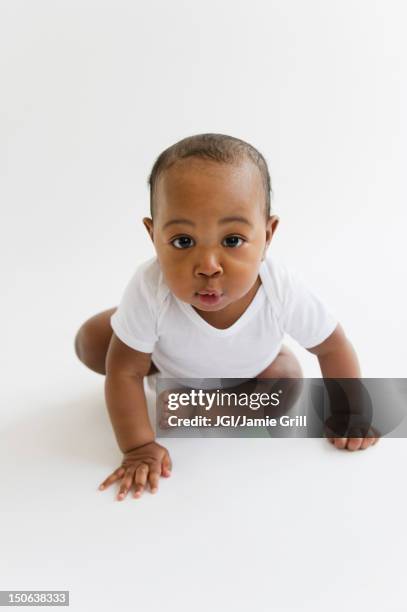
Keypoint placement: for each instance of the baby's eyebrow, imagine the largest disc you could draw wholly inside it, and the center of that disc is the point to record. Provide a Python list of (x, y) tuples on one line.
[(220, 222)]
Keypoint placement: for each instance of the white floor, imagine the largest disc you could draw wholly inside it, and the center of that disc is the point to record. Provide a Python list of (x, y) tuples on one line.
[(260, 524)]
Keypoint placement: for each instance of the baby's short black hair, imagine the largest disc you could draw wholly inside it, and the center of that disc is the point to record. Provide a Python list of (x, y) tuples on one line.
[(216, 147)]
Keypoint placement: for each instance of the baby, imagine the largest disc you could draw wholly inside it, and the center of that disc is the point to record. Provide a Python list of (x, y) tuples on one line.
[(211, 303)]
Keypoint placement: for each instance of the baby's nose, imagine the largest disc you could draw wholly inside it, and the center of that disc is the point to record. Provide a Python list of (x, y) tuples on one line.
[(208, 264)]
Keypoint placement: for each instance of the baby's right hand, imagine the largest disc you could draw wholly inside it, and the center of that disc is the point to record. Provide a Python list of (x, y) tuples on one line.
[(147, 462)]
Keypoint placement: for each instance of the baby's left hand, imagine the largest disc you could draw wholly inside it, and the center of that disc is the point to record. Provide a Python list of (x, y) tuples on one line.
[(353, 444)]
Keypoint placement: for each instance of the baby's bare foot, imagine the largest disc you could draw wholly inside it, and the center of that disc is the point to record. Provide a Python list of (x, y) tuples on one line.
[(164, 411)]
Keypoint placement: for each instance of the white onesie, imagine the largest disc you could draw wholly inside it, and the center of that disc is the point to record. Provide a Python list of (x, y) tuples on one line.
[(153, 320)]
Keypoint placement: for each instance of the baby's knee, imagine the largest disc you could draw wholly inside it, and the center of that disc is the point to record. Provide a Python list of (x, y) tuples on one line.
[(86, 346), (285, 365), (291, 367), (81, 342)]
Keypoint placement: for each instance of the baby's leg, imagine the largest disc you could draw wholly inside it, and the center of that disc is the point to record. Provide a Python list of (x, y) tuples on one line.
[(285, 365), (92, 341), (287, 370)]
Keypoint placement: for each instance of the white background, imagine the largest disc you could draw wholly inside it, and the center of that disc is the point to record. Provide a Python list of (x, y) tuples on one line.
[(91, 93)]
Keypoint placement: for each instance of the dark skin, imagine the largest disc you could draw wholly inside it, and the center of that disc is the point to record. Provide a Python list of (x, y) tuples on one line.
[(207, 248), (205, 193)]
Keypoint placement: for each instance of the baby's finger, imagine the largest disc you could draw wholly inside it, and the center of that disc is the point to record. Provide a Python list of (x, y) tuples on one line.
[(116, 475), (366, 443), (340, 442), (166, 466), (140, 479), (154, 477), (126, 484), (371, 439), (354, 443)]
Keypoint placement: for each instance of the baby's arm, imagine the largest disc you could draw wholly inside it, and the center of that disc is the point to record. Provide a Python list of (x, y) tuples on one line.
[(125, 397), (144, 459), (337, 359)]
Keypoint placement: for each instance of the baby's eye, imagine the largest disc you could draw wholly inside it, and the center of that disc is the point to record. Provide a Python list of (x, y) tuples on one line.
[(184, 241), (182, 238), (234, 238)]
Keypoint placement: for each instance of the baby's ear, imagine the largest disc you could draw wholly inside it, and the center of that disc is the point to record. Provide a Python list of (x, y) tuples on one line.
[(271, 226), (148, 224)]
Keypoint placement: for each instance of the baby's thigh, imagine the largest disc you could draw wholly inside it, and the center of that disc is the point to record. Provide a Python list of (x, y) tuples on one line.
[(93, 339), (287, 369), (285, 365)]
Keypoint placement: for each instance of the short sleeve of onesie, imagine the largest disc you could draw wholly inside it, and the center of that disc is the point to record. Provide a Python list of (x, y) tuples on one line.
[(304, 317), (134, 321)]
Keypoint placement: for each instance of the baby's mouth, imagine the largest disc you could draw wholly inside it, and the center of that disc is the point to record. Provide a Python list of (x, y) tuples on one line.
[(213, 292), (209, 298)]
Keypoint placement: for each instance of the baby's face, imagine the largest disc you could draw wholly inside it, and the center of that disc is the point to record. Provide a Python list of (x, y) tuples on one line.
[(200, 244)]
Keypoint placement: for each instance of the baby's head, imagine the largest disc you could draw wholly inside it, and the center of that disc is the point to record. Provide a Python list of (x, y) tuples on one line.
[(210, 217)]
